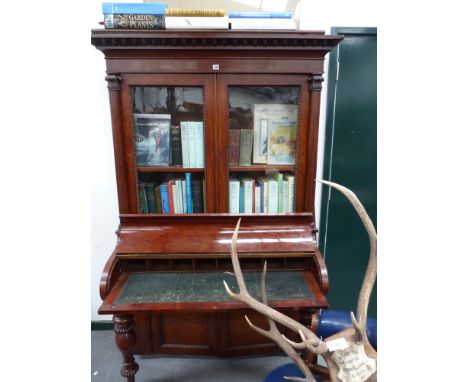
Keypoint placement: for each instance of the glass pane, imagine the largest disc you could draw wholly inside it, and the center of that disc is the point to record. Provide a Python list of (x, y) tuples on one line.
[(263, 132), (170, 148), (168, 126)]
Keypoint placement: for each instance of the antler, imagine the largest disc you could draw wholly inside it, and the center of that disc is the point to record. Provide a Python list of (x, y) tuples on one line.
[(371, 272)]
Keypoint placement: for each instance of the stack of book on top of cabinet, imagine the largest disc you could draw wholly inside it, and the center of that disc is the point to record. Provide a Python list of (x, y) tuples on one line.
[(158, 16), (264, 194), (183, 195), (262, 20)]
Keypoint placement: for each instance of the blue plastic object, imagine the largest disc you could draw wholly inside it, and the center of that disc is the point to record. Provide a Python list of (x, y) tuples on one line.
[(287, 370), (333, 321)]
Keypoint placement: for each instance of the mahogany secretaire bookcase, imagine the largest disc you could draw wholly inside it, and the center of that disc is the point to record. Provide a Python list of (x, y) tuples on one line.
[(209, 126)]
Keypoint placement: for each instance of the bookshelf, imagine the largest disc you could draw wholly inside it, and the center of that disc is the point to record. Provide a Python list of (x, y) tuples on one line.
[(212, 107)]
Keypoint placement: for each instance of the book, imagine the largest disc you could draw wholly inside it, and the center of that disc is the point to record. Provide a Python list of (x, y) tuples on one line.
[(265, 115), (279, 180), (188, 192), (261, 23), (185, 144), (196, 12), (142, 199), (133, 21), (282, 142), (183, 191), (234, 146), (241, 198), (245, 149), (190, 22), (272, 195), (234, 196), (176, 146), (262, 15), (152, 139), (191, 144), (199, 145), (134, 8), (291, 184), (247, 195), (165, 199), (285, 203), (263, 183), (258, 200), (197, 196), (157, 198)]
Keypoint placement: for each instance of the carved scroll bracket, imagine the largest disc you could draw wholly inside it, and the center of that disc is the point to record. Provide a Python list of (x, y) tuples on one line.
[(315, 82), (113, 81)]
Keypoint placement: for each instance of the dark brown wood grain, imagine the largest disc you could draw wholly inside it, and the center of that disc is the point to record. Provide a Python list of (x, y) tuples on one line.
[(168, 243)]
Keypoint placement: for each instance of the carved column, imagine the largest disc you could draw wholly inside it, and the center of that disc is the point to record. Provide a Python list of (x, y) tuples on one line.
[(125, 340)]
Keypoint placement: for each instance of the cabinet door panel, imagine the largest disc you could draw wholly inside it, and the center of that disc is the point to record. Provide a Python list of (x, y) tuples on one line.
[(167, 129), (263, 130)]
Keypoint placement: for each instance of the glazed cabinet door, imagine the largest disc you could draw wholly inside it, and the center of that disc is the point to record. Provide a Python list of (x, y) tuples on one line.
[(263, 134), (168, 138)]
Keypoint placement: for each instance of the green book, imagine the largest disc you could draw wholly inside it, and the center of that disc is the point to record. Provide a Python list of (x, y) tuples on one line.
[(143, 201), (279, 179), (245, 150)]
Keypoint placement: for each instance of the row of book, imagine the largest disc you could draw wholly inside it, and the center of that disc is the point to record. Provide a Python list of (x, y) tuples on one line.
[(266, 194), (272, 139), (158, 16), (176, 196), (160, 143)]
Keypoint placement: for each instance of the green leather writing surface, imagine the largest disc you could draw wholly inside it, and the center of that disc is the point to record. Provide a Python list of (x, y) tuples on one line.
[(208, 287)]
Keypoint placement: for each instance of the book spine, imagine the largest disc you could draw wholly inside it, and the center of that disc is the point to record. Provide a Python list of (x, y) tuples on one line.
[(234, 193), (245, 151), (261, 15), (258, 200), (234, 145), (241, 199), (143, 201), (165, 199), (188, 192), (199, 145), (180, 204), (157, 198), (279, 180), (183, 190), (285, 196), (133, 21), (273, 196), (170, 194), (197, 195), (265, 197), (185, 144), (134, 8), (176, 147), (184, 22), (149, 191), (196, 12), (247, 195), (191, 143)]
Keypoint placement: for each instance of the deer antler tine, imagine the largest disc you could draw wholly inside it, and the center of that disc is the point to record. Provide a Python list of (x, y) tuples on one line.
[(228, 290), (297, 345), (357, 328), (256, 328)]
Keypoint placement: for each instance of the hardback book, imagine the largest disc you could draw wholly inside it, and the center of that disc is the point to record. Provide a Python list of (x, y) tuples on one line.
[(176, 147), (234, 146), (175, 197), (133, 21), (165, 199), (191, 144), (260, 15), (263, 183), (241, 198), (279, 180), (234, 196), (184, 137), (258, 200), (196, 12), (248, 195), (157, 198), (191, 22), (183, 191), (285, 203), (261, 23), (282, 142), (265, 115), (188, 192), (245, 149), (149, 8), (272, 195), (291, 183), (142, 196), (197, 196), (199, 145), (150, 197), (152, 143), (170, 193)]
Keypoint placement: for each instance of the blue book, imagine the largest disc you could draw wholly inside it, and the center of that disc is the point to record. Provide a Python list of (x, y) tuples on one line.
[(164, 199), (260, 15), (188, 192), (241, 200), (262, 195), (134, 8)]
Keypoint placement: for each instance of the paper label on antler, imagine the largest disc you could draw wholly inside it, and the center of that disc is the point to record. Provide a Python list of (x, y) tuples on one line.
[(338, 344), (353, 363)]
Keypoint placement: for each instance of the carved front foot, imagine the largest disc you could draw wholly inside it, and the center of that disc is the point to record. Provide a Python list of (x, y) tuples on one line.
[(125, 340)]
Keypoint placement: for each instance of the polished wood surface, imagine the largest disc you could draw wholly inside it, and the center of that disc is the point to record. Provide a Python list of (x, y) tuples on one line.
[(214, 61)]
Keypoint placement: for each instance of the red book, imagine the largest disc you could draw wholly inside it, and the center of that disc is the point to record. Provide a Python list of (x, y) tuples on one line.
[(171, 197), (234, 147)]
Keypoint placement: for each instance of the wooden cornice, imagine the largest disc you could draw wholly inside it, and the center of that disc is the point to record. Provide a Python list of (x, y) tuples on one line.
[(111, 39)]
